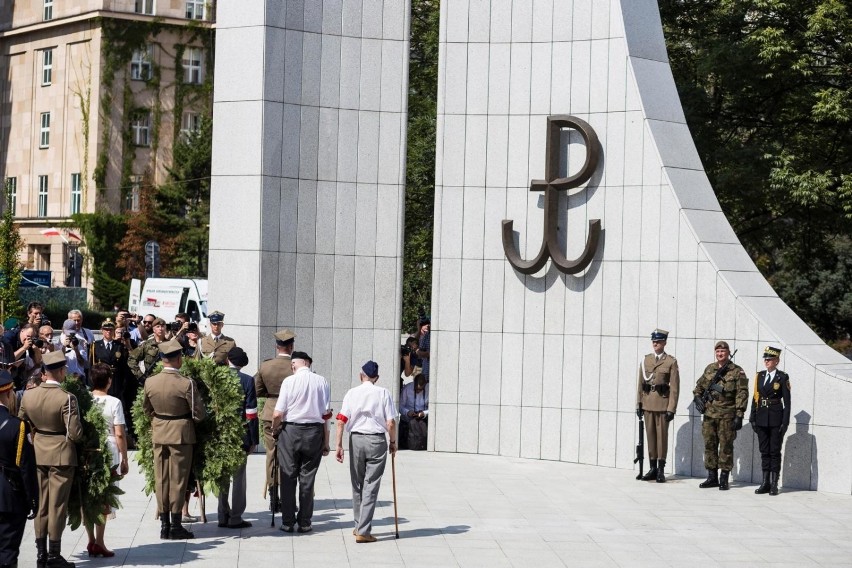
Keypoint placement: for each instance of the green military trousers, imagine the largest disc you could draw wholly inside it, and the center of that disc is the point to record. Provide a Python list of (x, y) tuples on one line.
[(719, 436)]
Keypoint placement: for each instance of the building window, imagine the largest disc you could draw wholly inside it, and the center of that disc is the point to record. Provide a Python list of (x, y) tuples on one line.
[(12, 184), (195, 9), (42, 196), (144, 7), (192, 57), (48, 10), (44, 133), (141, 129), (76, 194), (190, 123), (140, 64), (46, 67), (131, 199)]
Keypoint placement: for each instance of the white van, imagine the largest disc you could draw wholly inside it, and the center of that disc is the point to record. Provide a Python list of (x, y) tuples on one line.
[(165, 297)]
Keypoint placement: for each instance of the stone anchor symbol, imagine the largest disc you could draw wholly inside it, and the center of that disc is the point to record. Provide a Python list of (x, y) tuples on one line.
[(551, 186)]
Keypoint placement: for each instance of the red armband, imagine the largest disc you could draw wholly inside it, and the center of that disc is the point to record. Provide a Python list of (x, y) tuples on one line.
[(342, 418)]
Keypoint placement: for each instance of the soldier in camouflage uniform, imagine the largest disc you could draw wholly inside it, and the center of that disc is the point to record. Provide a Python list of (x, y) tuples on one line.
[(148, 353), (723, 414)]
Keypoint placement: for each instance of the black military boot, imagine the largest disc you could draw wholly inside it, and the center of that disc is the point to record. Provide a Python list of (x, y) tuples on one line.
[(661, 468), (652, 473), (165, 526), (177, 532), (773, 483), (723, 480), (764, 487), (54, 556), (712, 479), (41, 554)]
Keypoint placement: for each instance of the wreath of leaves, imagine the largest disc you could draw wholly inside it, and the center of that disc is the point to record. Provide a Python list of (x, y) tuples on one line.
[(218, 449), (92, 491)]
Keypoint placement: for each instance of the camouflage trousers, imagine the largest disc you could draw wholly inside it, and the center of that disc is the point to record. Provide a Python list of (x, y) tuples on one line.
[(719, 436)]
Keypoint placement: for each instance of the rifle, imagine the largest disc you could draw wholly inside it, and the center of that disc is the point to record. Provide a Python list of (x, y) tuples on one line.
[(274, 497), (707, 396), (640, 447)]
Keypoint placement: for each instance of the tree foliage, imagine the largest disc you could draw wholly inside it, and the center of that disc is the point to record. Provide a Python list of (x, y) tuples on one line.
[(102, 232), (10, 265), (766, 87)]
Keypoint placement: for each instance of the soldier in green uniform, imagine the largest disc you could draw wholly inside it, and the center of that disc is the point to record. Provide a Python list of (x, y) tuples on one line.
[(215, 345), (656, 398), (143, 359), (726, 388), (175, 406)]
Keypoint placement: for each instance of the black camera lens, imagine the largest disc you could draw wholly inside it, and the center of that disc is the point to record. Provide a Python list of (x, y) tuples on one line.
[(39, 343), (192, 327), (75, 342), (125, 335)]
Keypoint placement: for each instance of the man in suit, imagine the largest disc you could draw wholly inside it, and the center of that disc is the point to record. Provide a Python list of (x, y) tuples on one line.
[(53, 414), (215, 345), (770, 416), (175, 406), (18, 489), (656, 399), (231, 515), (267, 385), (112, 352)]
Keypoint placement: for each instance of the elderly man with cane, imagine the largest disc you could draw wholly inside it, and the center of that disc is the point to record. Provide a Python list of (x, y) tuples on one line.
[(368, 414)]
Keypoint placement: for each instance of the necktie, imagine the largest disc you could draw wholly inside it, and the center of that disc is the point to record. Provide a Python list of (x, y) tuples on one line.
[(109, 345), (768, 379)]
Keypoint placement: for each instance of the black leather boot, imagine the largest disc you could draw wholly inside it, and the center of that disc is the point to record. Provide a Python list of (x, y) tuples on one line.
[(764, 487), (41, 555), (54, 556), (712, 479), (661, 469), (652, 473), (773, 483), (723, 480), (177, 532), (165, 526)]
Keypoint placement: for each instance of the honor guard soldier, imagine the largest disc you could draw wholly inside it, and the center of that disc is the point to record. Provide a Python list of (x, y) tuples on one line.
[(267, 385), (53, 414), (770, 416), (175, 406), (215, 345), (722, 396), (18, 489), (656, 397), (112, 352)]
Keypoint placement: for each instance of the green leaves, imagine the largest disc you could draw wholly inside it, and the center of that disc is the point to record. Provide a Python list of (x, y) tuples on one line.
[(10, 266)]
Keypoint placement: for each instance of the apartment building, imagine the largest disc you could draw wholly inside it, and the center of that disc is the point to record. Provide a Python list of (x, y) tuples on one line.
[(93, 94)]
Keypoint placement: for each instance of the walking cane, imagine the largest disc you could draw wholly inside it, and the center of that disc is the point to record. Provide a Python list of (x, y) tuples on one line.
[(393, 479)]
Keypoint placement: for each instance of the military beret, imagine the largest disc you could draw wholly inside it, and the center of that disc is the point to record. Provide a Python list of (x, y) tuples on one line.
[(158, 321), (217, 317), (722, 345), (300, 355), (238, 357), (771, 352), (659, 335), (108, 324), (170, 348), (371, 369), (283, 335), (53, 359), (6, 382)]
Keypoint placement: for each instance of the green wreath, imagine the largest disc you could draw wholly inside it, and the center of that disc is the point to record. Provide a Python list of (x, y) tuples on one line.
[(92, 491), (218, 451)]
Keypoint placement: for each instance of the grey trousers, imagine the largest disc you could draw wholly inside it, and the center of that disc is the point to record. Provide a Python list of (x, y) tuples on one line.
[(367, 457), (233, 514), (299, 455)]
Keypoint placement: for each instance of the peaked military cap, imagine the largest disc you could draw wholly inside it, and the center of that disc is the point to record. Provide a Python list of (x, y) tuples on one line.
[(170, 348), (283, 335), (54, 360), (771, 352), (108, 324), (659, 335), (217, 317)]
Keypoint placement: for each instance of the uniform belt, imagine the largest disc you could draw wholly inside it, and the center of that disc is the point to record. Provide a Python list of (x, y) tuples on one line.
[(303, 423), (49, 433), (368, 433), (181, 417), (764, 402)]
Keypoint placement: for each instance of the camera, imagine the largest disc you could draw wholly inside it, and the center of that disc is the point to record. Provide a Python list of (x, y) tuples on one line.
[(125, 335), (174, 326), (192, 327), (39, 343), (75, 342), (404, 350)]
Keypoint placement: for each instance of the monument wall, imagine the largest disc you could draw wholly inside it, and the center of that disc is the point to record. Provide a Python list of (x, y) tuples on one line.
[(308, 171), (545, 365)]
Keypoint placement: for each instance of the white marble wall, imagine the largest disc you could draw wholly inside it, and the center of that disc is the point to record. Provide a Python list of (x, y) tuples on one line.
[(544, 366), (306, 220)]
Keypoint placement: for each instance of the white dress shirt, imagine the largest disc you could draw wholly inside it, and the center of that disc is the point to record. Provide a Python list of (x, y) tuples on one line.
[(366, 409), (304, 397)]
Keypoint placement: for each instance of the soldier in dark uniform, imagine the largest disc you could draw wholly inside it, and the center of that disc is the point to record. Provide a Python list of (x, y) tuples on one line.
[(215, 345), (656, 397), (114, 353), (175, 406), (770, 416), (54, 416), (267, 384), (18, 489), (727, 386)]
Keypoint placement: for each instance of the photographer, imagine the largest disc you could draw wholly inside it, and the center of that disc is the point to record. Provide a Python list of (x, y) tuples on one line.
[(26, 355), (74, 348), (130, 323), (409, 362)]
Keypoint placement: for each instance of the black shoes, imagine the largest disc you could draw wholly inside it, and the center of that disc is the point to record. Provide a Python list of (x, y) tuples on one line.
[(177, 532), (652, 473), (661, 468), (54, 556), (723, 480), (764, 487), (712, 479), (773, 483)]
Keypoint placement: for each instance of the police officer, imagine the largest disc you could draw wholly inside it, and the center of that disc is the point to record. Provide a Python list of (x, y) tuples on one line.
[(111, 351), (53, 414), (770, 416), (267, 385), (216, 345), (18, 489), (175, 406), (656, 397), (722, 396)]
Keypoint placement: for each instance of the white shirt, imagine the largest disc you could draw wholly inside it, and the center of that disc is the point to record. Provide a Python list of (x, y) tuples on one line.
[(366, 409), (304, 397), (768, 378)]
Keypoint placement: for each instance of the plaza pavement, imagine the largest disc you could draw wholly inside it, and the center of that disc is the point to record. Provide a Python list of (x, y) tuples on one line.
[(469, 510)]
